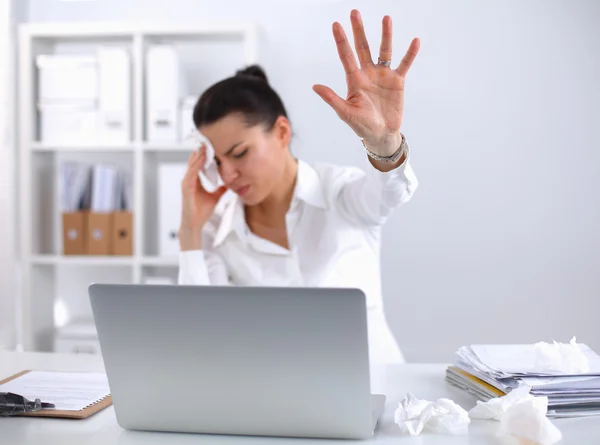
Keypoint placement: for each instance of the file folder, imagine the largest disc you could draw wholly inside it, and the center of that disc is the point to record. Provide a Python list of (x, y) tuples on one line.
[(169, 207), (114, 72), (164, 89)]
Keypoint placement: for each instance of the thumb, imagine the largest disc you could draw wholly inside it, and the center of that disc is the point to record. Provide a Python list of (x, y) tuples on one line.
[(336, 102)]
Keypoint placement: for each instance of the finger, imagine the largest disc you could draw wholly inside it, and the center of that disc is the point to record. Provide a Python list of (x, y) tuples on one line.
[(344, 49), (409, 57), (336, 102), (195, 154), (195, 164), (360, 39), (385, 50), (191, 158), (219, 192)]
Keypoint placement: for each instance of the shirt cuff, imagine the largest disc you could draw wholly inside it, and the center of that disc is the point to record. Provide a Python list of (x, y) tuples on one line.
[(403, 172), (192, 268)]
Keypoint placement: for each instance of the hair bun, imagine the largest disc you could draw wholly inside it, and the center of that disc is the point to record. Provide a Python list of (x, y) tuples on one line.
[(253, 71)]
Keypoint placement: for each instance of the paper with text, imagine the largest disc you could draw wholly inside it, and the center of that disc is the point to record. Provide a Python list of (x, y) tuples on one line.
[(69, 391)]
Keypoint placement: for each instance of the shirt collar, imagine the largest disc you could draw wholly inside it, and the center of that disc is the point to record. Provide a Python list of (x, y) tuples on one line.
[(308, 186), (308, 189)]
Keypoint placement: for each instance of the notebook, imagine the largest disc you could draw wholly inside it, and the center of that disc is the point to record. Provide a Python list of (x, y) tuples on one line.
[(76, 395)]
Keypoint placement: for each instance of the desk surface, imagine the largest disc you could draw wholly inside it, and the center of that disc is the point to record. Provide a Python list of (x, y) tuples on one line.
[(424, 381)]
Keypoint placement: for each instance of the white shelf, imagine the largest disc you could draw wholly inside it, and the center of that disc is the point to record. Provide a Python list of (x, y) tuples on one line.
[(81, 260), (160, 261), (151, 147), (124, 30), (91, 260), (171, 147), (44, 284), (85, 147)]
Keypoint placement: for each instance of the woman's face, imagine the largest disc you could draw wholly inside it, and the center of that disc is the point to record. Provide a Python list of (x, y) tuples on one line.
[(251, 161)]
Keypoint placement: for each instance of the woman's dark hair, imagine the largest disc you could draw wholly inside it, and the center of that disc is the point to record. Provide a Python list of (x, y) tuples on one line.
[(247, 92)]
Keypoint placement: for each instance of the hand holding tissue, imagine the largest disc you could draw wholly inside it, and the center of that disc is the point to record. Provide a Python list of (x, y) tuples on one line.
[(210, 170), (443, 416)]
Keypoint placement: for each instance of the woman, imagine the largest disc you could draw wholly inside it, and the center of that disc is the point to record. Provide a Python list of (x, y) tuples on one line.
[(286, 223)]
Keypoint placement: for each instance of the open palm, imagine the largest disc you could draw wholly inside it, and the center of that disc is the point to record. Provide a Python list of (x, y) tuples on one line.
[(375, 100)]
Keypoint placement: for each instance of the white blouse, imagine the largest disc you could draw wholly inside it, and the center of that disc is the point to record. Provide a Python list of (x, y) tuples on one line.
[(334, 231)]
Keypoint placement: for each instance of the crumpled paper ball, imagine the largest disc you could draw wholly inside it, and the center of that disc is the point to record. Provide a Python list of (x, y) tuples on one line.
[(443, 416), (560, 358), (521, 416)]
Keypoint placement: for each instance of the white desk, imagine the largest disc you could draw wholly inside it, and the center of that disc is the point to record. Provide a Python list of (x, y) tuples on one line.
[(424, 381)]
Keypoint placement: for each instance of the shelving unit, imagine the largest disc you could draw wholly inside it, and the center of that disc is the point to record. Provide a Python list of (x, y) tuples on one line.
[(81, 260), (54, 286)]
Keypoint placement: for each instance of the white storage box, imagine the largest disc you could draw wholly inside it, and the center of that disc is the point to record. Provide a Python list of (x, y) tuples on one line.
[(67, 77), (164, 89), (186, 120), (68, 123), (169, 207), (77, 338), (114, 114)]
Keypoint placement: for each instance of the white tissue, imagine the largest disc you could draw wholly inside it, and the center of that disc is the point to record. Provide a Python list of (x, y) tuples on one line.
[(444, 416), (521, 415), (563, 358), (496, 408), (527, 420), (210, 170)]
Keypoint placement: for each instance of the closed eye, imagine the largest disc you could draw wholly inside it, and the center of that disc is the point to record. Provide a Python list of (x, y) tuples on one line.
[(237, 156), (241, 154)]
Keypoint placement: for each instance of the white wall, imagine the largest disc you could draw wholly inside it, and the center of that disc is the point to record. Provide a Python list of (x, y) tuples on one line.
[(501, 241), (11, 11)]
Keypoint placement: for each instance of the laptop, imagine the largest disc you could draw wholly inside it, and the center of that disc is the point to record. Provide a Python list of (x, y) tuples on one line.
[(286, 362)]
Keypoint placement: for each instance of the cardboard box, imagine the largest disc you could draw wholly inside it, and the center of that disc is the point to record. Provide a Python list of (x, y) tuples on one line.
[(122, 231), (74, 233), (70, 123), (89, 233), (99, 233)]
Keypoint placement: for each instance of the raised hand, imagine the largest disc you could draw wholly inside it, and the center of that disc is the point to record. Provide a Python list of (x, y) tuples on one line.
[(375, 100)]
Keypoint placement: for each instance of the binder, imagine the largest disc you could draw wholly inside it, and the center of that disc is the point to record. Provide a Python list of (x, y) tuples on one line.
[(114, 72), (121, 239), (96, 210), (165, 86), (74, 233), (186, 118), (82, 414), (99, 233), (169, 207)]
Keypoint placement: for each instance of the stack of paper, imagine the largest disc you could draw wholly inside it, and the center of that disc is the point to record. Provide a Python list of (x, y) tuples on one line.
[(488, 371)]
